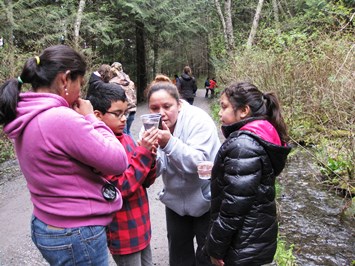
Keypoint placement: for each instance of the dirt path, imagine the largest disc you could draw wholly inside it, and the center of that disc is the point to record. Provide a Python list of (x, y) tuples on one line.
[(16, 247)]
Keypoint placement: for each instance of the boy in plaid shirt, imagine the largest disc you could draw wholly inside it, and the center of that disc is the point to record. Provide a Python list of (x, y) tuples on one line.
[(129, 233)]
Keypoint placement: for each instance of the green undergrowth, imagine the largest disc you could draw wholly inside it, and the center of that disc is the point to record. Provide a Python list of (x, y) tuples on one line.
[(284, 253), (313, 83), (6, 148)]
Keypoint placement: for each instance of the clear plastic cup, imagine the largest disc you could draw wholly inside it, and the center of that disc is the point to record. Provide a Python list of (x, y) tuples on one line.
[(150, 120), (204, 169)]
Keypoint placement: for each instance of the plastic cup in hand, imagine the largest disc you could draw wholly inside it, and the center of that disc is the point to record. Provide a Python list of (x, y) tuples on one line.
[(204, 169), (150, 120)]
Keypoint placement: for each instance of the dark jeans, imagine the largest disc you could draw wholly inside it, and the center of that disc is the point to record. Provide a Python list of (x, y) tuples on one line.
[(206, 95), (212, 92), (129, 122), (181, 233)]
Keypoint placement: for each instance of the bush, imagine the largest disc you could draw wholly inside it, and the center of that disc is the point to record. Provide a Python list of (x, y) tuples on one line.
[(314, 86)]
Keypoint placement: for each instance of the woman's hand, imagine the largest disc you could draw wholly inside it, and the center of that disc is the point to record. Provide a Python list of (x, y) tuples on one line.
[(149, 139), (217, 262), (164, 135), (83, 107)]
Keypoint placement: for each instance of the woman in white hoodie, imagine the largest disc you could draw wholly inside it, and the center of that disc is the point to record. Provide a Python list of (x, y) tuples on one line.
[(188, 135)]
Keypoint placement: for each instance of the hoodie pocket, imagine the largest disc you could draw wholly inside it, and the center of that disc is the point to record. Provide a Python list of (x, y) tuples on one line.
[(206, 191)]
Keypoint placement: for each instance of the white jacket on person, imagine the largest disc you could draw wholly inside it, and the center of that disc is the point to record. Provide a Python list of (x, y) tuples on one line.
[(194, 139)]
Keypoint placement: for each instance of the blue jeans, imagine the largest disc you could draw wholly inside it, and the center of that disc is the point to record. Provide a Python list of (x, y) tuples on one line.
[(129, 122), (85, 245)]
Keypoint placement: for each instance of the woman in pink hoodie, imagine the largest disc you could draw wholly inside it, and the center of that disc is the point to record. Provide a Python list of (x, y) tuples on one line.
[(59, 144)]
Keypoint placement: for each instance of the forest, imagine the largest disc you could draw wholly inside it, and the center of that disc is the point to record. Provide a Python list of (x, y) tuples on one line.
[(301, 49)]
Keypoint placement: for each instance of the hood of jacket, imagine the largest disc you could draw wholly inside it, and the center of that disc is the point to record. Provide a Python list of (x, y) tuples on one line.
[(262, 131), (29, 106), (186, 77)]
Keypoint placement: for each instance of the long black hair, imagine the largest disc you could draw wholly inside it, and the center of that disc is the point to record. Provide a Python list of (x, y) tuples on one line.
[(263, 105), (40, 71)]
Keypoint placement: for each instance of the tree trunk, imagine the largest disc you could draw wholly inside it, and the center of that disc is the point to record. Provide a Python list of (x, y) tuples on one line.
[(77, 24), (220, 14), (155, 55), (276, 15), (255, 24), (9, 39), (229, 25), (141, 83)]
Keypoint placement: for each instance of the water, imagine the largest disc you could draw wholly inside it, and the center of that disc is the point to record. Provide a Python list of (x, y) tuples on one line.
[(150, 125), (310, 217)]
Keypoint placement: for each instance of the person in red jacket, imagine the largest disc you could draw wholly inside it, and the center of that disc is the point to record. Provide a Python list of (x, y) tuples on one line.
[(213, 85), (129, 233)]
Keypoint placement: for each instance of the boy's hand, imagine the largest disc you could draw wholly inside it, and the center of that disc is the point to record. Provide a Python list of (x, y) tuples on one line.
[(149, 139)]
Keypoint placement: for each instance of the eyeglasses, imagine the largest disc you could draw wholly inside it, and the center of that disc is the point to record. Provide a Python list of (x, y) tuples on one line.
[(118, 115)]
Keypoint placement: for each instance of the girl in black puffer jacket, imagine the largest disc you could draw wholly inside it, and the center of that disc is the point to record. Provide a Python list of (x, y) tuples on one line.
[(243, 228)]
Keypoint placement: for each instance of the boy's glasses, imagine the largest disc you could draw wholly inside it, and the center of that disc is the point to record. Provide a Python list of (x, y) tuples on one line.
[(118, 115)]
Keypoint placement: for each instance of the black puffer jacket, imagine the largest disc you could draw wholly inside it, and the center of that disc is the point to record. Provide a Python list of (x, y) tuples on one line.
[(187, 86), (243, 229)]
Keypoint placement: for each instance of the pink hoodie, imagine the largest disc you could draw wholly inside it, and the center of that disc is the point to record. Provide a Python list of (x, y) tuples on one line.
[(264, 129), (64, 157)]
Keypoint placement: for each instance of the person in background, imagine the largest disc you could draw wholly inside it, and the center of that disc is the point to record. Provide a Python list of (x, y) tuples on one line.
[(187, 85), (121, 78), (102, 74), (175, 80), (188, 135), (129, 233), (59, 144), (213, 85), (207, 87), (243, 227)]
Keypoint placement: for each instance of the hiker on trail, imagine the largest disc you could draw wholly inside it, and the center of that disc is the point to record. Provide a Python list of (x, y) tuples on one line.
[(175, 80), (59, 145), (187, 85), (188, 135), (129, 233), (213, 86), (207, 87), (121, 78), (243, 228)]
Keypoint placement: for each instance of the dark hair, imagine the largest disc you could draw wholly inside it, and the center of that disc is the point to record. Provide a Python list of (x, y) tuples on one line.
[(263, 105), (40, 71), (162, 82), (104, 95)]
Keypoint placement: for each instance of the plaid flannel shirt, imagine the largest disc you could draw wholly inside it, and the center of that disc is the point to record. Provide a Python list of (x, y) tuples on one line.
[(130, 229)]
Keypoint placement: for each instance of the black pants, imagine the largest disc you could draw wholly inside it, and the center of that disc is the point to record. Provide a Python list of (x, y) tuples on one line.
[(212, 93), (206, 95), (181, 233)]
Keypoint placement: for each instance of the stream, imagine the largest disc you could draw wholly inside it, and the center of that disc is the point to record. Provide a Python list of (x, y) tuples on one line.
[(310, 216)]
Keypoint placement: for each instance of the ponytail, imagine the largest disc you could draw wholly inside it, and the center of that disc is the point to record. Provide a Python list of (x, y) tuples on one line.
[(273, 113), (9, 97), (262, 105)]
